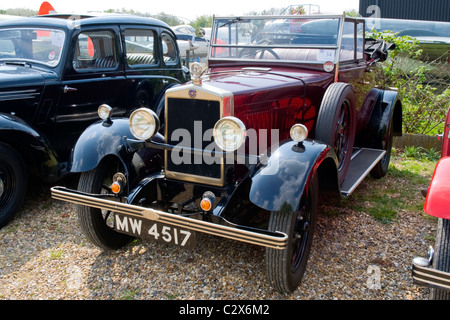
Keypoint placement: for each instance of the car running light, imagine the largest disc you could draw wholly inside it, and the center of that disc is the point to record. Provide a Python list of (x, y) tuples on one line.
[(104, 112), (298, 132), (119, 181), (144, 123), (208, 200), (229, 133)]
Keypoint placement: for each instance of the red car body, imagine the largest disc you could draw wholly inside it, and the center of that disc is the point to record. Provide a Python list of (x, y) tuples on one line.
[(434, 271)]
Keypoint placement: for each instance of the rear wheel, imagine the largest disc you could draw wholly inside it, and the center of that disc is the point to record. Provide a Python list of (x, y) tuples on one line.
[(97, 225), (13, 183), (336, 123), (441, 260), (382, 167), (285, 268)]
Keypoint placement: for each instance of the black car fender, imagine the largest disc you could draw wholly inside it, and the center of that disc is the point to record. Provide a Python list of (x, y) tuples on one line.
[(113, 138), (36, 151), (385, 120), (280, 184), (390, 114)]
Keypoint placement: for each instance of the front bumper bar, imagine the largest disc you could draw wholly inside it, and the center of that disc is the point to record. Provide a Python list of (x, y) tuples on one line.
[(422, 274), (276, 240)]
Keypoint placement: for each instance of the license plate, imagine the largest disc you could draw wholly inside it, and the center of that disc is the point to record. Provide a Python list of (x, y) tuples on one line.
[(160, 232)]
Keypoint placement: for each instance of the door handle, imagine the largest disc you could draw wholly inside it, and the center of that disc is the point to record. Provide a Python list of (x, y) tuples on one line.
[(69, 89), (165, 81)]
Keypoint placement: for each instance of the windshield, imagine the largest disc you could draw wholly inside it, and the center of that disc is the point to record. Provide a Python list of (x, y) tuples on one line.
[(35, 45), (288, 39)]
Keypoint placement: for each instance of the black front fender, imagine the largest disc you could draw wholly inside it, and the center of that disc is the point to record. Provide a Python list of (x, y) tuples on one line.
[(102, 140), (280, 184), (98, 141), (36, 151)]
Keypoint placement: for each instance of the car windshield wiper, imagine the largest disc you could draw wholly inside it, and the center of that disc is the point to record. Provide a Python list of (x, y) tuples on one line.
[(19, 63), (233, 21)]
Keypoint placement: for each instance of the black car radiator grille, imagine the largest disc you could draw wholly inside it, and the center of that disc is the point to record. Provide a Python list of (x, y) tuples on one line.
[(195, 117)]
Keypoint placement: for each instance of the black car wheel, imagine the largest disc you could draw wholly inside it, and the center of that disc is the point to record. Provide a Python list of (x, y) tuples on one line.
[(97, 225), (382, 167), (336, 123), (13, 183), (441, 260), (285, 268)]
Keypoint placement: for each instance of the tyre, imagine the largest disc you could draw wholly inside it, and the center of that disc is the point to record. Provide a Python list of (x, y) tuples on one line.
[(382, 167), (13, 183), (336, 123), (285, 268), (97, 225), (441, 260)]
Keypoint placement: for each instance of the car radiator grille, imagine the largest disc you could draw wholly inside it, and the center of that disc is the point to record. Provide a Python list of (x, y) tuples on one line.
[(195, 117)]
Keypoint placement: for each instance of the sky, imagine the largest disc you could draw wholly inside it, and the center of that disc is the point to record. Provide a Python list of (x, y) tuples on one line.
[(186, 9)]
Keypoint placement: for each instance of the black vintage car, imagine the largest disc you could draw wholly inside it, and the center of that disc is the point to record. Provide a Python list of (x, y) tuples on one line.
[(54, 74), (288, 108)]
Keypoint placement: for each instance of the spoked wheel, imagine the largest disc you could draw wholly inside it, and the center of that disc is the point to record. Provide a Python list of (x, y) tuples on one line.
[(441, 260), (285, 268), (97, 225), (336, 123), (13, 183)]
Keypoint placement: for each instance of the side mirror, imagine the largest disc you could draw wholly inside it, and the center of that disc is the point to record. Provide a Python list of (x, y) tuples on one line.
[(200, 32)]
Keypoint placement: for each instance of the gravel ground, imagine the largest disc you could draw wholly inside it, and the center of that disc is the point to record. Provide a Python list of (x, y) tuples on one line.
[(44, 255)]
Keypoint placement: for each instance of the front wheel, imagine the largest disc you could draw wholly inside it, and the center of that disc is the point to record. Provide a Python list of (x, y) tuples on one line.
[(441, 260), (13, 183), (285, 268), (97, 225)]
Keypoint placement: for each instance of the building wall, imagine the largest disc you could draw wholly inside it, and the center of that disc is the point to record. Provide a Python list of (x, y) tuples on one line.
[(432, 10)]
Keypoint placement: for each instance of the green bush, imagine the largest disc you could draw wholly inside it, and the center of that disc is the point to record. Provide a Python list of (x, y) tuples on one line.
[(423, 86)]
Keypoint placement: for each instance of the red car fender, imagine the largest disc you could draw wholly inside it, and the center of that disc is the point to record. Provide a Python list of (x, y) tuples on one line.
[(437, 202), (445, 151)]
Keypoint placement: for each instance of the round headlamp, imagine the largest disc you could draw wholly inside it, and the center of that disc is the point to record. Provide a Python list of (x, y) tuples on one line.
[(104, 112), (298, 132), (229, 133), (144, 123)]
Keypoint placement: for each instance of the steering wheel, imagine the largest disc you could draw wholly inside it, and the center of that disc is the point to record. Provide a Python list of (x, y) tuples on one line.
[(251, 52)]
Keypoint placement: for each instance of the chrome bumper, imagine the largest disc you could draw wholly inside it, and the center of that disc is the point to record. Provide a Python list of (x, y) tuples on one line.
[(424, 275), (275, 240)]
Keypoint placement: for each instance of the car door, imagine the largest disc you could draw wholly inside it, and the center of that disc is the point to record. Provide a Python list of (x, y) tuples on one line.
[(148, 71), (94, 75)]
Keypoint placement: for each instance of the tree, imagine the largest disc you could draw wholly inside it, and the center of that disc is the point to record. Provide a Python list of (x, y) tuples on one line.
[(204, 21)]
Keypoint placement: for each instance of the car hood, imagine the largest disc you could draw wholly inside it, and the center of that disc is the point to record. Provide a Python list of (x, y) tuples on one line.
[(245, 81), (12, 76), (257, 87)]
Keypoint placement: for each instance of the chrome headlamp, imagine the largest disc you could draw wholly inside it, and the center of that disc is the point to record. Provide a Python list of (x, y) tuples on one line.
[(144, 123), (229, 133), (298, 132), (104, 112)]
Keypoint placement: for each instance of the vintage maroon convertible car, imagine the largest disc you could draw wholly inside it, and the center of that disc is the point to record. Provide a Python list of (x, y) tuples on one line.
[(287, 107), (434, 271)]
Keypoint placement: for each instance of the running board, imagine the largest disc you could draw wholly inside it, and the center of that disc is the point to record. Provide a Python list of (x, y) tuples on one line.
[(362, 162)]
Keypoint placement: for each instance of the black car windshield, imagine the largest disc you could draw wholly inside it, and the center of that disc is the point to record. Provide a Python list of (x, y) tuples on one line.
[(34, 45), (281, 38)]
